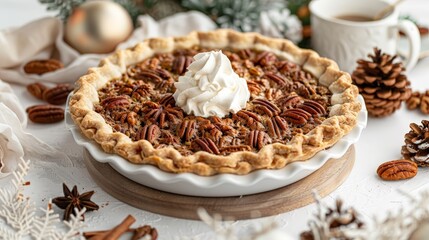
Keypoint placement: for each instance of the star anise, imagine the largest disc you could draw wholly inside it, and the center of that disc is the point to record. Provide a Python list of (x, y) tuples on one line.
[(72, 199)]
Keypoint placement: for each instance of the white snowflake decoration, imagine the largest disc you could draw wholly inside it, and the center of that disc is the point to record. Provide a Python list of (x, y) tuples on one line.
[(226, 231), (19, 213), (281, 24), (398, 226)]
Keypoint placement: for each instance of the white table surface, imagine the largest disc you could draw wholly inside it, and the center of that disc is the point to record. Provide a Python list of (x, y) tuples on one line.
[(380, 142)]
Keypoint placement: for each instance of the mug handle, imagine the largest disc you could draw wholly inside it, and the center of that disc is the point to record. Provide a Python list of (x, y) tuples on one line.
[(412, 33)]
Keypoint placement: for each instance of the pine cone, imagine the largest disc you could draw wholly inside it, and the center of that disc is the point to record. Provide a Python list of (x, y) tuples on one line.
[(336, 218), (413, 102), (424, 103), (416, 146), (420, 101), (381, 83)]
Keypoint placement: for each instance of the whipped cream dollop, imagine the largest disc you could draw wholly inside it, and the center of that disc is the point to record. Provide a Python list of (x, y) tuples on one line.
[(210, 87)]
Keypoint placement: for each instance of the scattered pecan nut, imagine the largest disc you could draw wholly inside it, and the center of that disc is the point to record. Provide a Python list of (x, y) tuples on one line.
[(58, 94), (145, 232), (42, 66), (45, 113), (37, 89), (397, 170)]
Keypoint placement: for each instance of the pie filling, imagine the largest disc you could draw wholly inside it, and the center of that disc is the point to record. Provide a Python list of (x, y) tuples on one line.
[(285, 101)]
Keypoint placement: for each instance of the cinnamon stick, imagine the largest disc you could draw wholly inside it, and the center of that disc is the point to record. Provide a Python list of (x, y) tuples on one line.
[(114, 233)]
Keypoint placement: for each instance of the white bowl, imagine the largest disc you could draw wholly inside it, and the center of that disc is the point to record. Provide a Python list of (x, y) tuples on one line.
[(221, 185)]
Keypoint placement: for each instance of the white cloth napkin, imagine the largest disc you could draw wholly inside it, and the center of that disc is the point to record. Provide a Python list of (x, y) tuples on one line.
[(15, 143), (43, 39)]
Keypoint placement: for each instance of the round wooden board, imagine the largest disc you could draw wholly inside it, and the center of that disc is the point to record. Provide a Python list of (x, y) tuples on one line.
[(299, 194)]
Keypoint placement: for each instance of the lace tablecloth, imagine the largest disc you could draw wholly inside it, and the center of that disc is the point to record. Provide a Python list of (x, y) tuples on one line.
[(380, 142)]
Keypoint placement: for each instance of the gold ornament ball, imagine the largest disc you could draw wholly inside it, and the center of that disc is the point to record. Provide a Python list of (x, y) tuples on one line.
[(97, 27)]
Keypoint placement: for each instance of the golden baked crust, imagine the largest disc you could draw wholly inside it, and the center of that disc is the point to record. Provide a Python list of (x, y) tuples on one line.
[(342, 115)]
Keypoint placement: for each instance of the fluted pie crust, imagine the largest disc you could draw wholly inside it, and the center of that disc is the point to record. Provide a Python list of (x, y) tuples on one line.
[(341, 119)]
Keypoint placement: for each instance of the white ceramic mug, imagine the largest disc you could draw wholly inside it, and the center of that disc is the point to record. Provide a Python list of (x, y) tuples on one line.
[(347, 41)]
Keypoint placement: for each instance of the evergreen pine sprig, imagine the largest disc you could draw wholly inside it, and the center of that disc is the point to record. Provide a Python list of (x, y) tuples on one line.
[(65, 7), (242, 15)]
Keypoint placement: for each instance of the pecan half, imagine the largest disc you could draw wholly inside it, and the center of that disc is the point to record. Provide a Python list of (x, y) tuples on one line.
[(132, 71), (162, 115), (42, 66), (288, 102), (266, 107), (187, 130), (141, 91), (45, 113), (115, 102), (286, 67), (168, 138), (254, 87), (167, 100), (255, 71), (265, 58), (296, 116), (235, 148), (36, 89), (276, 78), (181, 63), (58, 94), (272, 93), (397, 170), (163, 73), (148, 75), (245, 53), (312, 107), (249, 118), (277, 127), (258, 139), (149, 132), (205, 144), (146, 232), (128, 117)]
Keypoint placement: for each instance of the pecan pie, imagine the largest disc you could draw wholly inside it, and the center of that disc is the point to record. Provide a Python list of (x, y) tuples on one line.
[(299, 105)]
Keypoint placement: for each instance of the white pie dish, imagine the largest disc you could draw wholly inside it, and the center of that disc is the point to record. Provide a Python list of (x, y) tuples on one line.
[(221, 185)]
